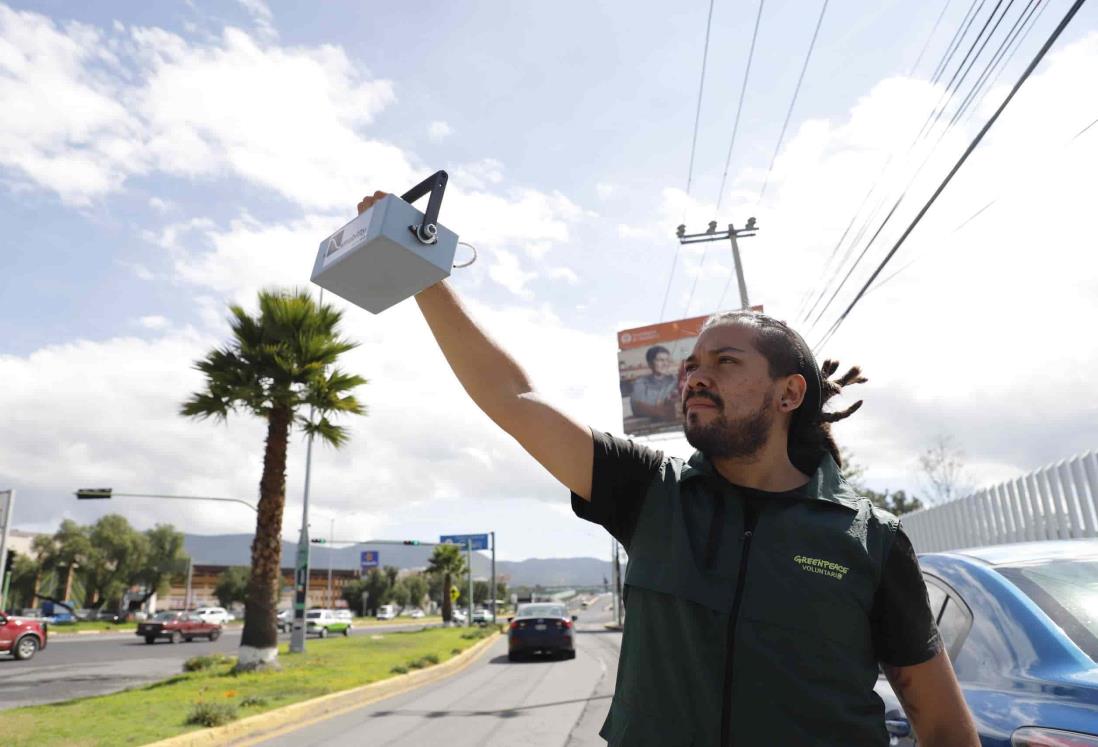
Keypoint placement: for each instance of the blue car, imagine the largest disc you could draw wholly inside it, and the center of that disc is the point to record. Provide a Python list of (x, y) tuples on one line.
[(1020, 623)]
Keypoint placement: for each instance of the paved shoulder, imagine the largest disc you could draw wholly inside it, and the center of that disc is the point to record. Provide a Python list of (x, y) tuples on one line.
[(494, 702)]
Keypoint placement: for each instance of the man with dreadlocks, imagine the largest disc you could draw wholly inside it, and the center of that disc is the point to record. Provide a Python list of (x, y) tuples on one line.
[(761, 592)]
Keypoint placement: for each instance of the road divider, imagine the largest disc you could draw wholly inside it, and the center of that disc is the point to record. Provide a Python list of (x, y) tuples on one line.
[(334, 675)]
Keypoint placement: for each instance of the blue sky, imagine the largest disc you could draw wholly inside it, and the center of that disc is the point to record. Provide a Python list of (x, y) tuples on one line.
[(159, 161)]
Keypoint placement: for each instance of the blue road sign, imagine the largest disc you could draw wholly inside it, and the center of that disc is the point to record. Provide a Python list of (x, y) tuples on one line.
[(480, 541), (370, 559)]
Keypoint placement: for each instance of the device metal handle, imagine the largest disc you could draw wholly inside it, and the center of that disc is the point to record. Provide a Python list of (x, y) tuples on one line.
[(436, 186)]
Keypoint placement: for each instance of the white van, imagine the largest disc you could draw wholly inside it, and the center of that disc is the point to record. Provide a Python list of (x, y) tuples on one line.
[(216, 615), (386, 612)]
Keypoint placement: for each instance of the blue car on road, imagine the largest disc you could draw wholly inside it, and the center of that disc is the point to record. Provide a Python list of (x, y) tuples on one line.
[(1020, 622)]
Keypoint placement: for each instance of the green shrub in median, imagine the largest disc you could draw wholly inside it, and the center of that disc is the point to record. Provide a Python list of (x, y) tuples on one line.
[(208, 661), (211, 714)]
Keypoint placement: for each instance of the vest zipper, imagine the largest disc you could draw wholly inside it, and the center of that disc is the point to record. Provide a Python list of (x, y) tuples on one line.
[(726, 705)]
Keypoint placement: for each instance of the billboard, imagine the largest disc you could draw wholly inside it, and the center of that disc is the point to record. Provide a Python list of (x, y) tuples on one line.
[(650, 373), (651, 377)]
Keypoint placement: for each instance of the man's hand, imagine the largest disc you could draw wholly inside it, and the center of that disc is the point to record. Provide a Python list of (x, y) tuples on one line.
[(933, 703), (368, 202)]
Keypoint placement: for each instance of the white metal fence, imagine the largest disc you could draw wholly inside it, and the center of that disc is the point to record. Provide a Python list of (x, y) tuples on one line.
[(1056, 502)]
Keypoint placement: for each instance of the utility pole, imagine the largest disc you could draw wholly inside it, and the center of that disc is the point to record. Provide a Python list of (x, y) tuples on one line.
[(301, 567), (711, 234), (492, 585), (190, 574), (7, 501), (331, 537), (469, 561)]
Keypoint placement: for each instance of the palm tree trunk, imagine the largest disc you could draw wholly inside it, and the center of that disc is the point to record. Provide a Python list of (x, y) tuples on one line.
[(259, 641), (447, 605)]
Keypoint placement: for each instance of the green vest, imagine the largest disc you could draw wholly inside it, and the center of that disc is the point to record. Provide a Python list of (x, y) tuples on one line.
[(767, 633)]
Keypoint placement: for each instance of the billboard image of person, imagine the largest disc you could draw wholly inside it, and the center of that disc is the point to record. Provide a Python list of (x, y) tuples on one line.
[(650, 371)]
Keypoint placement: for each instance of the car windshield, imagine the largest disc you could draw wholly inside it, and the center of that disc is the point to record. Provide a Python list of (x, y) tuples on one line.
[(166, 616), (1067, 591), (541, 610), (312, 615)]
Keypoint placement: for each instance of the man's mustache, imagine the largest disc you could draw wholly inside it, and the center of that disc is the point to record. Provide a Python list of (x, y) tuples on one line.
[(702, 394)]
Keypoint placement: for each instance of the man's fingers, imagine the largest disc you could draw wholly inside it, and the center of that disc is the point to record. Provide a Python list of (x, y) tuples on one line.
[(368, 202)]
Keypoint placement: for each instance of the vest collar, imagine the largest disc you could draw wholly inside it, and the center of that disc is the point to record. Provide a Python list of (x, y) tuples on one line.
[(826, 484)]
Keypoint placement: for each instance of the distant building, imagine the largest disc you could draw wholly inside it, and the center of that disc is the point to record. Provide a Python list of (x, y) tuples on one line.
[(212, 554)]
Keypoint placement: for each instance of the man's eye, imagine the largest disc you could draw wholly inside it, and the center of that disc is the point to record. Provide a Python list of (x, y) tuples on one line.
[(727, 359)]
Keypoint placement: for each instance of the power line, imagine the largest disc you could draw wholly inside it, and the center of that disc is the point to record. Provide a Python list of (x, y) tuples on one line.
[(701, 88), (957, 166), (975, 215), (932, 119), (693, 149), (739, 109), (793, 102), (731, 144), (951, 48), (804, 311), (929, 36), (1007, 49)]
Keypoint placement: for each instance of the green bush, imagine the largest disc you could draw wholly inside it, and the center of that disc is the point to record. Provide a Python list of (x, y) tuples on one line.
[(208, 661), (399, 669), (417, 663), (211, 714), (455, 651), (253, 700), (431, 658)]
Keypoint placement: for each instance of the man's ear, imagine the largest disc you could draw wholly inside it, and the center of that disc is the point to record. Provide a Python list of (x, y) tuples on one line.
[(792, 393)]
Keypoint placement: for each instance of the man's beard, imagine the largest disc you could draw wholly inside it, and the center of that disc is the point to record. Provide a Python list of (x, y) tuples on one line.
[(722, 438)]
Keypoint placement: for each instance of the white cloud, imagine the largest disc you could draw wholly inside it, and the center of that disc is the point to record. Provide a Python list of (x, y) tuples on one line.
[(507, 271), (154, 322), (605, 190), (438, 131), (87, 108), (567, 274)]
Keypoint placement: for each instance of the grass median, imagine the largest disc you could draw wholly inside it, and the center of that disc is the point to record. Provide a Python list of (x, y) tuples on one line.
[(214, 695)]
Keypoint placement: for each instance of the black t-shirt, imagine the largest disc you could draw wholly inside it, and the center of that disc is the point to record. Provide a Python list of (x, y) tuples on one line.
[(903, 627)]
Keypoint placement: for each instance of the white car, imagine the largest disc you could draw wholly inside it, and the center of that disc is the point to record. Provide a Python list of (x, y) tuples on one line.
[(386, 612), (218, 615), (416, 614)]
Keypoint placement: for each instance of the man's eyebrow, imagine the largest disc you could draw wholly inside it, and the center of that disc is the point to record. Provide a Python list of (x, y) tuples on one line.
[(727, 349)]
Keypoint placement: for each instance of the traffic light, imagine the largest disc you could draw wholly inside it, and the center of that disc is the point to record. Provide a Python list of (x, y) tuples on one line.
[(87, 494), (411, 542), (318, 541)]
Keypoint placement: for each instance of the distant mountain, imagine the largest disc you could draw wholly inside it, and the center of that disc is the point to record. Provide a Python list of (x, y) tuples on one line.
[(555, 571)]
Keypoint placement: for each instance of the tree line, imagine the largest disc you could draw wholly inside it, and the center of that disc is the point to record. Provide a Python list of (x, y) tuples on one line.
[(92, 566)]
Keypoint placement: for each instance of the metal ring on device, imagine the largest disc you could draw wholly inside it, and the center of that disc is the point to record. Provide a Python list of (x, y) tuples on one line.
[(474, 259)]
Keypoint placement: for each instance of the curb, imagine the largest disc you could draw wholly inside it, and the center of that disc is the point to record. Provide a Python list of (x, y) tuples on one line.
[(295, 716)]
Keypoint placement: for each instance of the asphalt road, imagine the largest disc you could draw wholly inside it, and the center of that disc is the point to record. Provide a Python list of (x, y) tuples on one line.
[(76, 666), (493, 702)]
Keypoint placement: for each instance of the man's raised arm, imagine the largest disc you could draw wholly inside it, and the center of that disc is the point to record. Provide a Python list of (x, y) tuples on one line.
[(500, 388)]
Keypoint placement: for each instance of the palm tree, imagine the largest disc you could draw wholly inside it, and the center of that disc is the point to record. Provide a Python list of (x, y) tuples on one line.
[(275, 365), (447, 562)]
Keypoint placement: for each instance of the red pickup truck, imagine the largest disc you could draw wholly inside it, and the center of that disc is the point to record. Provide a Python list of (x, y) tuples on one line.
[(176, 627), (22, 636)]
